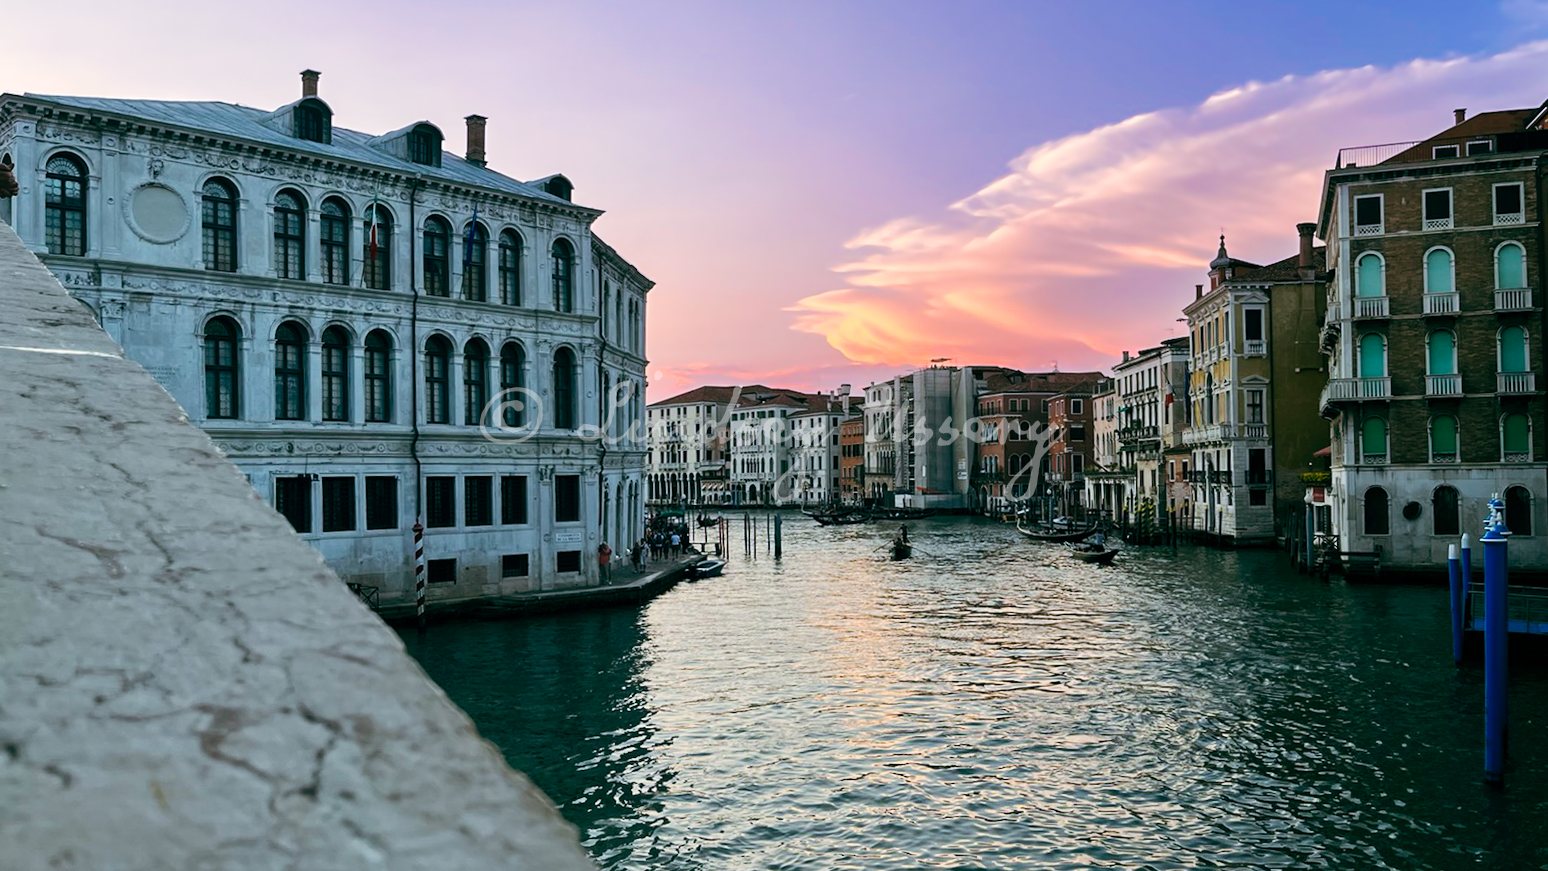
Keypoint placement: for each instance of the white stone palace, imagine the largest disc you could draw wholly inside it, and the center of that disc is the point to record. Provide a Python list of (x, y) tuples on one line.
[(343, 313)]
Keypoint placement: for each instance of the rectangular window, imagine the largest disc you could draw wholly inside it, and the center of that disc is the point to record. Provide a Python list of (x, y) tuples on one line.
[(1077, 406), (1257, 465), (1368, 215), (441, 501), (1255, 406), (1252, 324), (338, 508), (1508, 204), (1077, 432), (513, 500), (1480, 146), (478, 500), (1437, 209), (1078, 463), (566, 498), (513, 565), (1441, 152), (293, 499), (381, 502), (569, 561), (441, 571)]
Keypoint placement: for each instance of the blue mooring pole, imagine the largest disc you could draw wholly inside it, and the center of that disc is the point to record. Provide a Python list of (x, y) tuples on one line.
[(1454, 569), (1496, 646), (1467, 562)]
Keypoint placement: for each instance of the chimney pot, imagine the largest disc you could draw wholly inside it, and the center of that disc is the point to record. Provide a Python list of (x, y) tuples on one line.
[(1459, 114), (1125, 356), (1198, 291), (1306, 230), (309, 83), (476, 139)]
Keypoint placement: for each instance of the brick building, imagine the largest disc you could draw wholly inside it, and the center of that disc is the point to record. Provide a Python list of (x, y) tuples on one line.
[(851, 459), (1435, 249)]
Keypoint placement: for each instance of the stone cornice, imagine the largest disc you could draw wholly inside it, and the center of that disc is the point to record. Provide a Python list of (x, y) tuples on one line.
[(107, 129)]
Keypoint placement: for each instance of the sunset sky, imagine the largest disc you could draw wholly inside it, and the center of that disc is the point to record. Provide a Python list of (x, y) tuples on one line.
[(832, 192)]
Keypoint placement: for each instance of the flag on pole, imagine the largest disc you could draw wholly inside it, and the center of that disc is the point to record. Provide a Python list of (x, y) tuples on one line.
[(467, 241)]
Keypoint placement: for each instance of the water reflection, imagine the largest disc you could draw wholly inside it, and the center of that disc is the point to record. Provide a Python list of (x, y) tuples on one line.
[(996, 705)]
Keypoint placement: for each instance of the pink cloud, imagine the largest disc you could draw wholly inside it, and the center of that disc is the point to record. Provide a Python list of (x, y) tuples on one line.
[(1092, 243)]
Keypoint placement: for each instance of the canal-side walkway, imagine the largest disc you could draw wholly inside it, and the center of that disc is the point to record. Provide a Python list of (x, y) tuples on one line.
[(627, 587)]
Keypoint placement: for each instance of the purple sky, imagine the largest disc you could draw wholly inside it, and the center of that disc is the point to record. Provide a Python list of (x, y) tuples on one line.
[(835, 192)]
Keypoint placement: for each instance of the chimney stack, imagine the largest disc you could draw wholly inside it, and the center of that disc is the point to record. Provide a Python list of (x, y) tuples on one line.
[(1459, 114), (1198, 291), (1306, 230), (1125, 356), (476, 139), (309, 83)]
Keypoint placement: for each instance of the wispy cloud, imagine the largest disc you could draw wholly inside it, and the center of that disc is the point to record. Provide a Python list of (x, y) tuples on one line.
[(1091, 243)]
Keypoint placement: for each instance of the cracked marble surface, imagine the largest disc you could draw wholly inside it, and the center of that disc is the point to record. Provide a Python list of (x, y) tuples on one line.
[(183, 683)]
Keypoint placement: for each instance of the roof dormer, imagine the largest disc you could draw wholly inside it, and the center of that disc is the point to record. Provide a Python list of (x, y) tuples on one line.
[(417, 143), (308, 118)]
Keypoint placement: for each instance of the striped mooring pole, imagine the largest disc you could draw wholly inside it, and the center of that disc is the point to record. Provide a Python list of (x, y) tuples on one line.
[(1496, 644), (419, 571)]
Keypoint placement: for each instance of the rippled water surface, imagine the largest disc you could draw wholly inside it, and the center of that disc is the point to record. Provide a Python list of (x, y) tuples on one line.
[(993, 704)]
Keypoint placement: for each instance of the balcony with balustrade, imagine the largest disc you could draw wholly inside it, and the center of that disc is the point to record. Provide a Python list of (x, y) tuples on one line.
[(1442, 304), (1358, 389), (1372, 307), (1516, 383), (1439, 386), (1255, 348), (1513, 299)]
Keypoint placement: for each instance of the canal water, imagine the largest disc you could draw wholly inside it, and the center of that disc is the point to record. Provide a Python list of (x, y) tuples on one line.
[(993, 704)]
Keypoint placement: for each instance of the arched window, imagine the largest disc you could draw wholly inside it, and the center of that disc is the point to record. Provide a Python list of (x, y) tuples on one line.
[(1442, 352), (437, 380), (1369, 281), (1518, 510), (335, 241), (378, 377), (335, 374), (1373, 440), (1516, 438), (1444, 512), (290, 372), (510, 268), (222, 373), (513, 363), (564, 389), (1373, 356), (65, 205), (1443, 439), (218, 206), (1377, 521), (475, 259), (1509, 266), (437, 274), (289, 236), (377, 251), (564, 276), (313, 121), (1513, 349), (1438, 274), (475, 381)]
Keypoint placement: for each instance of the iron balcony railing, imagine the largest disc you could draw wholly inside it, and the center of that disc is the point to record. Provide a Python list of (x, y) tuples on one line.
[(1440, 148)]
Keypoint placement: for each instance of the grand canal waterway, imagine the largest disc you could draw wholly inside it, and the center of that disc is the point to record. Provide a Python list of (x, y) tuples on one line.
[(992, 704)]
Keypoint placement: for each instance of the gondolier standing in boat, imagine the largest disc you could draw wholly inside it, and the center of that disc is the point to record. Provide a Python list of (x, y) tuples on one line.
[(903, 533)]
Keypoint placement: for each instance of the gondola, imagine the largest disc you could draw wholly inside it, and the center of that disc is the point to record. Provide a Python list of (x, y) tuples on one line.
[(1103, 556), (708, 521), (902, 513), (901, 549), (708, 568), (840, 519), (1056, 537)]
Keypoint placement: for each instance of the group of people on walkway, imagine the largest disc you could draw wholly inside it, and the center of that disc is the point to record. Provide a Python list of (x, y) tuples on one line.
[(665, 539)]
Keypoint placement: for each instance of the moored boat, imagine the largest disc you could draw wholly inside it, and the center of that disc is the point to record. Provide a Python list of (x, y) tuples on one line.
[(707, 568), (1053, 535)]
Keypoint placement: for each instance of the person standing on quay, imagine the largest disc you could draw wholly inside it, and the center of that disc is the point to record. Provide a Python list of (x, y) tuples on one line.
[(604, 561)]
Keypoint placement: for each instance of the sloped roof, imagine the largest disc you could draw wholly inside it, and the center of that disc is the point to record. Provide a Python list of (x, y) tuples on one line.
[(1481, 125), (698, 395), (1012, 381), (1288, 269), (242, 122)]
